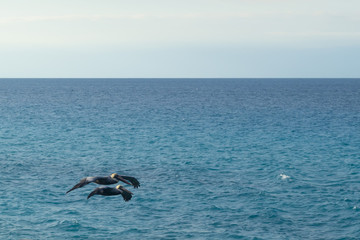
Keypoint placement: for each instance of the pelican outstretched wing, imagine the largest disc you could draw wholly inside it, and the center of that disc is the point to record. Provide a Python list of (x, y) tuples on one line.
[(94, 192), (133, 181), (82, 183), (126, 194), (107, 191)]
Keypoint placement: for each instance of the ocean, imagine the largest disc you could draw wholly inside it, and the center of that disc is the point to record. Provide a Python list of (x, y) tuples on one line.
[(216, 158)]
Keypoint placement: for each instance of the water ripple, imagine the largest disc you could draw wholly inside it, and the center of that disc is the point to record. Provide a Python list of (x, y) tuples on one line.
[(217, 159)]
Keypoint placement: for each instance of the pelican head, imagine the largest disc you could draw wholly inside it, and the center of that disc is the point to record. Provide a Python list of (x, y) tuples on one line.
[(123, 189), (120, 178)]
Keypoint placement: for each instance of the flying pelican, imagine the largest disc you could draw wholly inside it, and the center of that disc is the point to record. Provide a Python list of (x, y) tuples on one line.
[(108, 191), (112, 179)]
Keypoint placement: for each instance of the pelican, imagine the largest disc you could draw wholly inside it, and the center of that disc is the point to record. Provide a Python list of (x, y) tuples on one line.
[(112, 179), (108, 191)]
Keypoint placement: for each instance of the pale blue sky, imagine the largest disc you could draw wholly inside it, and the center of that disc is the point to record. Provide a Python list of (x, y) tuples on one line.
[(179, 38)]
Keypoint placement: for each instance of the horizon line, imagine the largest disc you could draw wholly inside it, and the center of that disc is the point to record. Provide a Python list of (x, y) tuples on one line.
[(179, 78)]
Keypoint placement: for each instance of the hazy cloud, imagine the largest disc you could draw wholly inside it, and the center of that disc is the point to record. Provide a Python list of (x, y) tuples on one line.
[(142, 25)]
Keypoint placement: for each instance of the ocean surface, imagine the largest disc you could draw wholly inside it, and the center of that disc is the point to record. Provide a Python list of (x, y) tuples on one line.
[(216, 158)]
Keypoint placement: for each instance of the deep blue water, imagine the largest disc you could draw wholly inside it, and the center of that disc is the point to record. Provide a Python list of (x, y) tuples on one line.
[(216, 158)]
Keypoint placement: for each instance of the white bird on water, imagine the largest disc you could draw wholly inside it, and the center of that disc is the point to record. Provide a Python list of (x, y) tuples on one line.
[(284, 177)]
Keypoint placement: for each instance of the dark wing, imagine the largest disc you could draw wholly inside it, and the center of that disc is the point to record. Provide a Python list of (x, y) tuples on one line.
[(96, 191), (82, 183), (133, 181), (126, 194)]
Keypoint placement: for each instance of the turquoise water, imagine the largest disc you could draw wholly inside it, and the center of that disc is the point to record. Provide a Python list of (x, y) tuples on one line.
[(216, 158)]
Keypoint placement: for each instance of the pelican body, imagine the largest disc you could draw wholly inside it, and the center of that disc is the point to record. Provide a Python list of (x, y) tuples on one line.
[(112, 179), (108, 191)]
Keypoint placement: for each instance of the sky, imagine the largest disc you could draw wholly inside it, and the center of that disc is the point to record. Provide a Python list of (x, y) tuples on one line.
[(179, 38)]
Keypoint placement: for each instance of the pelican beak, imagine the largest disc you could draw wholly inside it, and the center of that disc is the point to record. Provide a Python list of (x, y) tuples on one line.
[(122, 179)]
